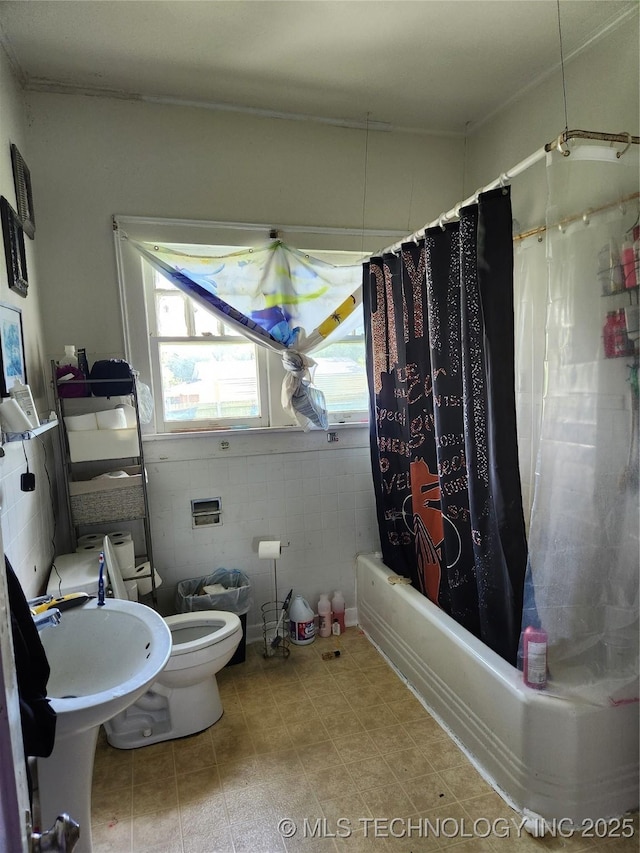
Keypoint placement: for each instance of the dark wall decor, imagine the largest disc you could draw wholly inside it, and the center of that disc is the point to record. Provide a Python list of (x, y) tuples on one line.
[(24, 195), (14, 253)]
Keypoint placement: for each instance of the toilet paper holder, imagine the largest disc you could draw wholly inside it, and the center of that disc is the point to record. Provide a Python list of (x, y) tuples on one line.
[(271, 549)]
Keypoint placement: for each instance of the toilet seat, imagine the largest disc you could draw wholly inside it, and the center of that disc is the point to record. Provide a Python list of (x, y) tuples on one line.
[(201, 629)]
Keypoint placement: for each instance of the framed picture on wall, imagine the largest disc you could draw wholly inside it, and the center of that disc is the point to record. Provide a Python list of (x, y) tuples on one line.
[(24, 194), (14, 252), (11, 349)]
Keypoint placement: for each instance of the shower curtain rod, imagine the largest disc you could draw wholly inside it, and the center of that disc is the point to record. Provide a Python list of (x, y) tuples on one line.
[(567, 220), (518, 169)]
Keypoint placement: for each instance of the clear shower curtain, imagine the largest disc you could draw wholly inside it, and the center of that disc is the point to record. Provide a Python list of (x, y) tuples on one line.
[(582, 577), (439, 327)]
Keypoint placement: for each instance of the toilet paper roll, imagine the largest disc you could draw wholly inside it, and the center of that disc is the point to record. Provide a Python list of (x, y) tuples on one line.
[(111, 419), (125, 555), (12, 418), (130, 415), (269, 549), (90, 539), (132, 590), (98, 538), (122, 548), (119, 535), (88, 547), (144, 584), (76, 423)]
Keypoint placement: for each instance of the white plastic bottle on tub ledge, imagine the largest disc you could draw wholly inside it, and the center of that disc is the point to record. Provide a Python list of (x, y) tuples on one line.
[(302, 629)]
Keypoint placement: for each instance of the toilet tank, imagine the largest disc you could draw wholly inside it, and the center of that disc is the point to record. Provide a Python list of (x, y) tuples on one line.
[(74, 573)]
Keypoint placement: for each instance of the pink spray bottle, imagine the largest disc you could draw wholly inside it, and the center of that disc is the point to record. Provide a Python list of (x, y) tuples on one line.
[(534, 656)]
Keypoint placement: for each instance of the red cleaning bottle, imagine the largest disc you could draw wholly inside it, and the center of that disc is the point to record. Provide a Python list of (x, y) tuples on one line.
[(620, 337), (628, 259), (608, 334), (534, 670)]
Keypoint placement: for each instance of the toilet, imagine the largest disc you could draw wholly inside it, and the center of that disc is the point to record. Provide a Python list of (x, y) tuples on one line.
[(185, 698)]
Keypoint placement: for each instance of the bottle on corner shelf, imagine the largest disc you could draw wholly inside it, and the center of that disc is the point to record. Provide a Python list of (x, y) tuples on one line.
[(621, 344), (83, 364), (610, 272), (69, 356), (608, 333), (615, 268), (83, 367), (628, 258)]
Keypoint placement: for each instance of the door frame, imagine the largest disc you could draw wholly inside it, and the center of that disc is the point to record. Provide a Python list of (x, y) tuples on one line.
[(15, 809)]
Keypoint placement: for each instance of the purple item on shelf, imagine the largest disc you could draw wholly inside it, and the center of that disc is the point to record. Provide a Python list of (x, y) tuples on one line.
[(77, 387)]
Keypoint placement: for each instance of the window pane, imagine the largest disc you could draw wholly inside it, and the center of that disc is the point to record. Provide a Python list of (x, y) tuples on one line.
[(170, 315), (209, 381), (160, 282), (341, 376), (227, 330), (205, 322)]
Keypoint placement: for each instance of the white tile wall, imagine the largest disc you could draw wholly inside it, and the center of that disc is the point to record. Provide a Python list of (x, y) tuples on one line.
[(27, 518), (318, 496)]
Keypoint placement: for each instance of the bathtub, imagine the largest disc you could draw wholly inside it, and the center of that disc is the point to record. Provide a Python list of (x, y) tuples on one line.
[(547, 757)]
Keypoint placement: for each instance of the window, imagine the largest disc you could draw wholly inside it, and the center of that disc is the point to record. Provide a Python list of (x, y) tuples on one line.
[(207, 376), (341, 374), (203, 375)]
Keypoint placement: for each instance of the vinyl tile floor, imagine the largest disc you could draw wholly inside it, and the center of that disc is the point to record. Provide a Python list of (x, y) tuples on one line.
[(313, 756)]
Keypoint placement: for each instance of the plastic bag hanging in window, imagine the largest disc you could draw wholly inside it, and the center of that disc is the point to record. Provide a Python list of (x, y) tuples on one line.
[(300, 398), (145, 401)]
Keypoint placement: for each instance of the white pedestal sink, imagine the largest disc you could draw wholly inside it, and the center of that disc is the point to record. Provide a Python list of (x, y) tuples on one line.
[(102, 659)]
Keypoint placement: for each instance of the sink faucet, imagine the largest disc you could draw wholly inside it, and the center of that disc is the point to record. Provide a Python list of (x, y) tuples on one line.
[(41, 599), (48, 617)]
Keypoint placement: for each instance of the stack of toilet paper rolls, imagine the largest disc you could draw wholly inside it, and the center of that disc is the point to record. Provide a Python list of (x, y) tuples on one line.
[(125, 554)]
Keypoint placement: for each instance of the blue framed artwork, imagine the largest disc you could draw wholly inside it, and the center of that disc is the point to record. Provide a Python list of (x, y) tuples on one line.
[(11, 349)]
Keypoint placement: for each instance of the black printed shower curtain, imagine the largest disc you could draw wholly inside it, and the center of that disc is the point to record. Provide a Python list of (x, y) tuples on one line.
[(440, 362)]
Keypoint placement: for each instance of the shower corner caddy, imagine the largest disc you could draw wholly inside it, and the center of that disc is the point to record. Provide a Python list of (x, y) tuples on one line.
[(86, 455), (631, 335)]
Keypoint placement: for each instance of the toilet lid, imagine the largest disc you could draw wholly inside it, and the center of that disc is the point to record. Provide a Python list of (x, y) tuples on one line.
[(193, 631)]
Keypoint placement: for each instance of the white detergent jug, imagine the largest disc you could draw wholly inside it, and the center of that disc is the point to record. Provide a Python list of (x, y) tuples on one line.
[(302, 629)]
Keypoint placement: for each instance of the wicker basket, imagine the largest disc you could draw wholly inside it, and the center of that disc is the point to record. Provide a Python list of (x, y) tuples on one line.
[(117, 499)]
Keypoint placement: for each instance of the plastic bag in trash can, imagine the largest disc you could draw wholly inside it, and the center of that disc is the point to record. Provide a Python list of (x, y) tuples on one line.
[(235, 597)]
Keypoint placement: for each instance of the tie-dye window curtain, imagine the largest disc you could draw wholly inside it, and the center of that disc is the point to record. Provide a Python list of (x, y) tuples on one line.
[(276, 296), (439, 332)]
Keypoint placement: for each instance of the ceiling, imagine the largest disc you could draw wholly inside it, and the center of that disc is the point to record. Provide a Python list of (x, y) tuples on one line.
[(436, 66)]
